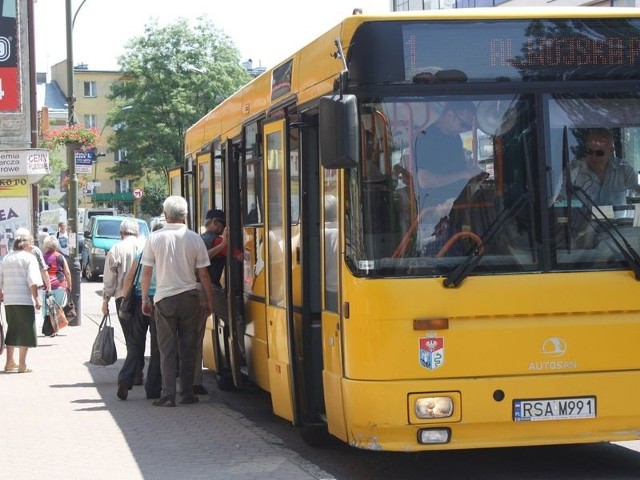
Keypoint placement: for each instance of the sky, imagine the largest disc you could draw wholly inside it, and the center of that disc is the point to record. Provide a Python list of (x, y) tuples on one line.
[(265, 31)]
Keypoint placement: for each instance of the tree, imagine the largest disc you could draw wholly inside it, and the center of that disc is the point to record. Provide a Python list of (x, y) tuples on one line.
[(172, 76), (155, 192)]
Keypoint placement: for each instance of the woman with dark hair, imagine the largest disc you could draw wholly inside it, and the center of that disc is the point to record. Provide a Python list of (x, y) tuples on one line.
[(20, 280)]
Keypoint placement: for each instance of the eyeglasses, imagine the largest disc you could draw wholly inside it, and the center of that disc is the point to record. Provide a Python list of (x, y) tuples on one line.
[(463, 123), (597, 153)]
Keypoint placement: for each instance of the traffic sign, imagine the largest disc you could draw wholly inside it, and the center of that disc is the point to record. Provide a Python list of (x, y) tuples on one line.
[(138, 193), (63, 202)]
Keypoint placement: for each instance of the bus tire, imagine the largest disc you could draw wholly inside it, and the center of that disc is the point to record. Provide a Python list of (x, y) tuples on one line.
[(225, 382), (315, 435)]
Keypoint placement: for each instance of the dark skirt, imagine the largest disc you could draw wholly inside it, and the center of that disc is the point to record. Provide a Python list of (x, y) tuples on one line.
[(22, 326)]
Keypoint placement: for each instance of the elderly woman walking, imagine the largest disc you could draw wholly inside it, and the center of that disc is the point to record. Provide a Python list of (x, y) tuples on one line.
[(19, 282), (58, 271)]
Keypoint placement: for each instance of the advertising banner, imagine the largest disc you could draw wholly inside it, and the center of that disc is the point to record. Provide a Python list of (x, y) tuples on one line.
[(9, 74), (14, 187), (28, 161)]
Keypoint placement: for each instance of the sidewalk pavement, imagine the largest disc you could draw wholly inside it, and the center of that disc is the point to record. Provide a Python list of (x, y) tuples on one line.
[(64, 421)]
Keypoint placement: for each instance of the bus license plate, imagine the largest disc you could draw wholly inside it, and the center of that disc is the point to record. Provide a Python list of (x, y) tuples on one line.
[(554, 409)]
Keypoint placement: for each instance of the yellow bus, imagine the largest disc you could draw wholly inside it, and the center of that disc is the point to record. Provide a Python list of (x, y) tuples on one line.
[(405, 296)]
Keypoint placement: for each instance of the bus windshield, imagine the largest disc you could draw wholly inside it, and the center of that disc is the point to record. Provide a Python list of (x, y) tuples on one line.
[(444, 178)]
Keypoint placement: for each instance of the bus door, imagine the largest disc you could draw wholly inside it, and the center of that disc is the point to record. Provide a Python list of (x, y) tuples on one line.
[(227, 349), (279, 309)]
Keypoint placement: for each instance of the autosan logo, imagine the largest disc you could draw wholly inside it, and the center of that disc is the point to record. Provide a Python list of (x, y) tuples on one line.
[(553, 348), (5, 49)]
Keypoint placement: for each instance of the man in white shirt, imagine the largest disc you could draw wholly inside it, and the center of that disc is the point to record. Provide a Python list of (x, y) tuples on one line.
[(117, 265), (63, 239), (176, 253)]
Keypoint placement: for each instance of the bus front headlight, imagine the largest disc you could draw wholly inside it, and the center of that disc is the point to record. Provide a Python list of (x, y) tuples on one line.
[(433, 407)]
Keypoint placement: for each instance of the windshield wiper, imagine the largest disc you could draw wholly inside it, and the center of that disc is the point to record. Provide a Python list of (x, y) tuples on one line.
[(462, 271), (619, 240)]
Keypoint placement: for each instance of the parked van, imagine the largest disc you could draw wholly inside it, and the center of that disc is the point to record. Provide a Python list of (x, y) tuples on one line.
[(52, 217), (102, 233), (84, 214)]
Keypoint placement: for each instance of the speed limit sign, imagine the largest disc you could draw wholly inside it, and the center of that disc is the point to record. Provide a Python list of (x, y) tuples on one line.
[(138, 193)]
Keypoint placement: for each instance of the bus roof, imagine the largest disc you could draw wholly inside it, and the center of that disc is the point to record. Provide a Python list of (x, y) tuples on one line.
[(311, 71)]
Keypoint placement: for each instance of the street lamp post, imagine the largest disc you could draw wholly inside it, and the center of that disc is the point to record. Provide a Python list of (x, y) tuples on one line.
[(72, 208), (95, 169)]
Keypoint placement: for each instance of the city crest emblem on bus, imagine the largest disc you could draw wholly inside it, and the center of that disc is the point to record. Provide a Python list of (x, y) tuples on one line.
[(432, 352)]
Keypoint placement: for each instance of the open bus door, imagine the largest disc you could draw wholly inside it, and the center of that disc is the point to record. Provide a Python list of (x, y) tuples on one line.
[(279, 309), (175, 181), (228, 334)]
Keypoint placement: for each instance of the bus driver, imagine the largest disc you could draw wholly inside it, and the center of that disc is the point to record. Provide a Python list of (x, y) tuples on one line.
[(601, 174)]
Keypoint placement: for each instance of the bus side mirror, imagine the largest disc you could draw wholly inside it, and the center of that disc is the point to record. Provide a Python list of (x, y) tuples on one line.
[(339, 141)]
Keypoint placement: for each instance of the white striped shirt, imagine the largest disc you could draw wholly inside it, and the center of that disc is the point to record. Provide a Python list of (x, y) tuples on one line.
[(18, 271)]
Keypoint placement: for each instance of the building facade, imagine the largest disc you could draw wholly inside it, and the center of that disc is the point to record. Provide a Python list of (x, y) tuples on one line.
[(97, 188), (22, 164)]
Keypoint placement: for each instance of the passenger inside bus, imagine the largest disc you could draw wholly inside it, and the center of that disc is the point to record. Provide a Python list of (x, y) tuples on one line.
[(603, 176), (443, 172)]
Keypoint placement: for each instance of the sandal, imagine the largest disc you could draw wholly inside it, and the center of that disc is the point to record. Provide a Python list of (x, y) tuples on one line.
[(10, 366), (164, 402), (24, 370)]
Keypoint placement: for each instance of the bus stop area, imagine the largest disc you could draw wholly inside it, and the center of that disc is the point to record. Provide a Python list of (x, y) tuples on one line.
[(63, 420)]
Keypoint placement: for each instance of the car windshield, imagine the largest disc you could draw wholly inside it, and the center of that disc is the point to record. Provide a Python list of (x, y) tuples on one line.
[(110, 228)]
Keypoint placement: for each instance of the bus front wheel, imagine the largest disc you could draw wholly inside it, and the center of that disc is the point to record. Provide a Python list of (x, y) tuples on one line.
[(315, 435), (225, 382)]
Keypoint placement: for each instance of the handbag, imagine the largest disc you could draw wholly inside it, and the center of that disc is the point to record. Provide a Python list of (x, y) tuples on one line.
[(47, 326), (56, 314), (103, 350), (127, 305)]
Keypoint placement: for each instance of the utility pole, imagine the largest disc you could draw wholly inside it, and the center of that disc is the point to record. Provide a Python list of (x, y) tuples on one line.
[(72, 207)]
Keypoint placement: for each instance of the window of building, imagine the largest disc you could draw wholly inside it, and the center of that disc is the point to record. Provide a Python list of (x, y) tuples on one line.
[(120, 155), (122, 185), (91, 121), (90, 89), (401, 6)]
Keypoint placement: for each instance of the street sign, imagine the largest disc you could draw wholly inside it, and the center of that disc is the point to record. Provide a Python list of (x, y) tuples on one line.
[(63, 202), (138, 193), (84, 160)]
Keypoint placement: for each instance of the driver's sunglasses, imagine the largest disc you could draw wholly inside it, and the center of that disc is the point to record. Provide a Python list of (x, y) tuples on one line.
[(597, 153), (463, 123)]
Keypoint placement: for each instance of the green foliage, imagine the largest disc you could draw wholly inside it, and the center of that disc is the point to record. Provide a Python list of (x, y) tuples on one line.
[(57, 163), (155, 192), (172, 76)]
